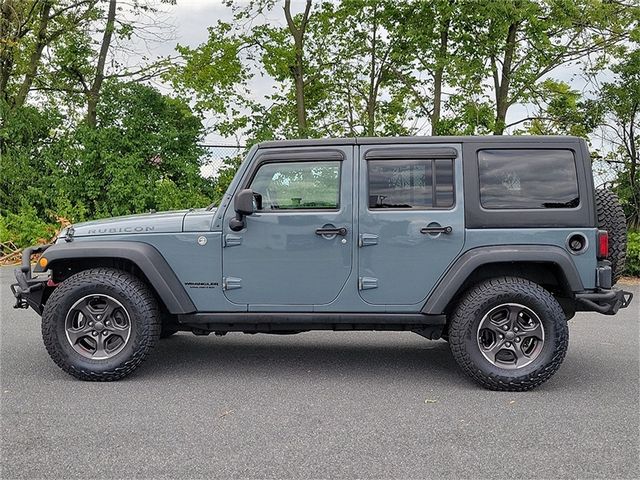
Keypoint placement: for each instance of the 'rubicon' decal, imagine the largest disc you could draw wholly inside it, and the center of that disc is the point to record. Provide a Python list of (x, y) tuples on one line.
[(94, 231)]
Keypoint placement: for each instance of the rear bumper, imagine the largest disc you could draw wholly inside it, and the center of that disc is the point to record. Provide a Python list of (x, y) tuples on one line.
[(607, 302), (28, 290)]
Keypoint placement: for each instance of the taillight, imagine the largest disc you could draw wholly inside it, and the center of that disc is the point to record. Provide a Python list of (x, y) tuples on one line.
[(603, 244)]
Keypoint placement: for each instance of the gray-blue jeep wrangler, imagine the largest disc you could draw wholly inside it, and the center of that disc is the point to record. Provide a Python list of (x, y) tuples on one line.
[(490, 243)]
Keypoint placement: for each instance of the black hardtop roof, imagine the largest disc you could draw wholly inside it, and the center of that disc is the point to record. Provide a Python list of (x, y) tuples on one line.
[(494, 139)]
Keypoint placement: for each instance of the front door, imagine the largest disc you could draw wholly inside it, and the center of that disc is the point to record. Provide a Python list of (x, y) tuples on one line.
[(296, 249), (411, 220)]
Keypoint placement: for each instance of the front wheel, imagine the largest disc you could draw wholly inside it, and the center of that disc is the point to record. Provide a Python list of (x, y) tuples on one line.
[(100, 324), (509, 334)]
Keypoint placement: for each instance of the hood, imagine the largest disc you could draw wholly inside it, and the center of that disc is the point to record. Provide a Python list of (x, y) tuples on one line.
[(162, 222)]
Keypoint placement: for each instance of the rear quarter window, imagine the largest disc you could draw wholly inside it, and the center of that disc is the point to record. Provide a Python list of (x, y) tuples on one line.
[(527, 179)]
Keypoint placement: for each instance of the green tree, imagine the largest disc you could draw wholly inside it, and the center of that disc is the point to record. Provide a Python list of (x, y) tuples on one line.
[(430, 34), (620, 101), (518, 43), (362, 58), (142, 154), (27, 28), (561, 110), (28, 177)]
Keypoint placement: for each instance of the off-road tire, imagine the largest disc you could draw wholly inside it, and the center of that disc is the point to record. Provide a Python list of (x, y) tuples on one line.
[(611, 218), (140, 305), (482, 298)]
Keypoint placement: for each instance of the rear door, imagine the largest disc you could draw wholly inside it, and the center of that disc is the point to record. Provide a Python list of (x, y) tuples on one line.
[(411, 220)]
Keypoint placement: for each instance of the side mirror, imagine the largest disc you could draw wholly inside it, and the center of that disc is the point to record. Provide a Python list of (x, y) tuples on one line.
[(244, 203)]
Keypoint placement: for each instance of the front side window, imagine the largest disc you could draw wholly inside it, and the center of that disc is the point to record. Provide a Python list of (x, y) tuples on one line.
[(410, 184), (298, 185), (528, 179)]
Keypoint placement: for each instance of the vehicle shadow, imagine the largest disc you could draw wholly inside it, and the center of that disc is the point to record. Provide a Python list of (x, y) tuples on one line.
[(344, 356), (187, 355)]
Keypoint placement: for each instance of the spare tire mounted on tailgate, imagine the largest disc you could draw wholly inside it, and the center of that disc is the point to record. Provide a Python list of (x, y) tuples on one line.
[(611, 218)]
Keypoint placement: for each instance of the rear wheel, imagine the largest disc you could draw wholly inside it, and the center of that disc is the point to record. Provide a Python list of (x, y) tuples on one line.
[(508, 334), (611, 218), (100, 324)]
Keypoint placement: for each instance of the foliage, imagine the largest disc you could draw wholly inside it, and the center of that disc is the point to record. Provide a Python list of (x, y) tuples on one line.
[(142, 155), (376, 67), (633, 254), (563, 111), (620, 101), (25, 227), (83, 136), (25, 176)]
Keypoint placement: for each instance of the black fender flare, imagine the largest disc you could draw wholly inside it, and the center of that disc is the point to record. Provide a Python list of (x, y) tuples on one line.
[(146, 257), (469, 261)]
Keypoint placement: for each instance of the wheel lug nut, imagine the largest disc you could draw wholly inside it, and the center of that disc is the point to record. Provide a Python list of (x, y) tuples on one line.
[(91, 324), (501, 336), (99, 317), (105, 333), (508, 344), (515, 329), (517, 339), (94, 333), (505, 328), (108, 322)]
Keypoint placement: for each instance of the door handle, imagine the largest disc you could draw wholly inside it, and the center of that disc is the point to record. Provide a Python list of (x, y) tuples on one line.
[(331, 231), (446, 230)]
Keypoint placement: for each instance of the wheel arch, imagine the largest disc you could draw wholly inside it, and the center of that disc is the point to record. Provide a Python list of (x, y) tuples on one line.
[(140, 259), (548, 266)]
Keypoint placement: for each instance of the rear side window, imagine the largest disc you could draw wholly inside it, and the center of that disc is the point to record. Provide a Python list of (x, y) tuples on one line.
[(410, 184), (528, 179)]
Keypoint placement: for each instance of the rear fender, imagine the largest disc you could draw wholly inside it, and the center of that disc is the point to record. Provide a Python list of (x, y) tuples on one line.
[(452, 282)]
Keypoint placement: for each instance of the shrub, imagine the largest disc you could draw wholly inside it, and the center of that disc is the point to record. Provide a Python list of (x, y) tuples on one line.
[(633, 254), (25, 227)]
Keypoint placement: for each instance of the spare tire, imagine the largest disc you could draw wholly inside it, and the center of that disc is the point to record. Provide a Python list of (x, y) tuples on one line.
[(611, 218)]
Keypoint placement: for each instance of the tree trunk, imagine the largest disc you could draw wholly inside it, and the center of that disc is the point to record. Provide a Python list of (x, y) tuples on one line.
[(297, 70), (373, 93), (437, 77), (94, 92), (301, 111), (634, 161), (502, 86), (6, 54), (36, 55)]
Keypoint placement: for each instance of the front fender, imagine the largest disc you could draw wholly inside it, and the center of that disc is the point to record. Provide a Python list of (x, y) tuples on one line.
[(155, 268)]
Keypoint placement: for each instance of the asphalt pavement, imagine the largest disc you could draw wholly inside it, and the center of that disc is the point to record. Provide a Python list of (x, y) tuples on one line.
[(319, 405)]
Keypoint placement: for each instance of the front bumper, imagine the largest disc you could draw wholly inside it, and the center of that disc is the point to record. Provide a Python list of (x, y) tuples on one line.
[(605, 301), (28, 291)]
